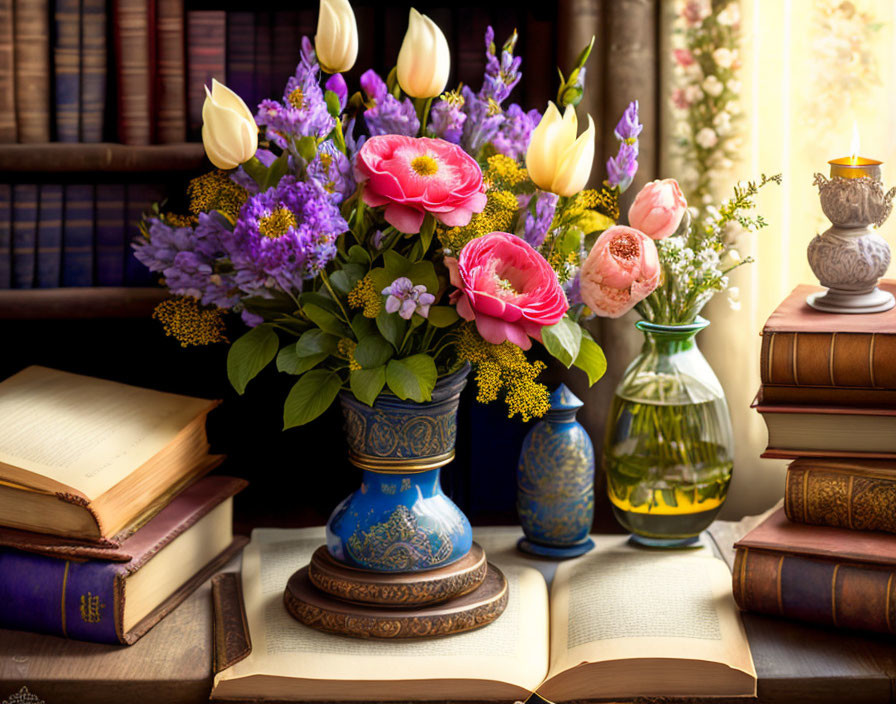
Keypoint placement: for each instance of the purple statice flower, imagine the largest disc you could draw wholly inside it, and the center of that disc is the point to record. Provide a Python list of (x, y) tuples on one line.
[(484, 119), (241, 178), (377, 239), (386, 114), (336, 84), (332, 171), (512, 137), (572, 289), (622, 168), (283, 236), (537, 225), (629, 127), (303, 111), (352, 145), (406, 299), (188, 259), (501, 73), (251, 319), (447, 117)]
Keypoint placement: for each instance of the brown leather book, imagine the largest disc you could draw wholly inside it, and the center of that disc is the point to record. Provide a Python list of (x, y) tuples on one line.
[(846, 396), (854, 494), (134, 49), (93, 69), (831, 576), (805, 347), (7, 75), (206, 58), (171, 124), (32, 69)]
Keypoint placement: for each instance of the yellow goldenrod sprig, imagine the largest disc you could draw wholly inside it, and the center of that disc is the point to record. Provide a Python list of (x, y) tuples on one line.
[(216, 191), (366, 298), (504, 173), (188, 322), (496, 217), (345, 348)]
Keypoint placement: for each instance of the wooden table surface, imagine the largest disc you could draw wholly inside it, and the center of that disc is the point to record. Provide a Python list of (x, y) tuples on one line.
[(172, 663)]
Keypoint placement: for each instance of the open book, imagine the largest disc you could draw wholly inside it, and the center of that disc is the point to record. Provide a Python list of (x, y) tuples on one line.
[(619, 622), (84, 458)]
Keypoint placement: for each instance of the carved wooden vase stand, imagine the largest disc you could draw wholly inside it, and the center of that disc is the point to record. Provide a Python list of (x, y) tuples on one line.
[(400, 561)]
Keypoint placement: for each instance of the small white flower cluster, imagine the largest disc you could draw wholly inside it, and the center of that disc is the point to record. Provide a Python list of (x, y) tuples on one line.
[(693, 271), (707, 62)]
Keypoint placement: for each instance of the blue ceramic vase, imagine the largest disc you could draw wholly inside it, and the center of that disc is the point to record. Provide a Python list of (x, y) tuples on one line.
[(555, 482), (400, 520)]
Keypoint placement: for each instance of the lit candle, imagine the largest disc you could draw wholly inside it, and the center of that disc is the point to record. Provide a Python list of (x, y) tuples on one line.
[(854, 166)]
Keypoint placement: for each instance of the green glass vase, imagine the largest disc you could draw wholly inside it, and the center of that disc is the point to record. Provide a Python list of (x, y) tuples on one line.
[(669, 446)]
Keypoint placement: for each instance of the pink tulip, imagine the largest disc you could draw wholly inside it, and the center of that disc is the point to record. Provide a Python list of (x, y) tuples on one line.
[(414, 176), (507, 287), (622, 269), (658, 209)]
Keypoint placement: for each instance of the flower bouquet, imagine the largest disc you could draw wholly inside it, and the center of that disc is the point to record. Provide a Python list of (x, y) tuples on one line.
[(668, 452), (380, 244)]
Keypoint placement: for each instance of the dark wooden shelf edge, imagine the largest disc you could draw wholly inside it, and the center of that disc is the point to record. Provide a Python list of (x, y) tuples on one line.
[(71, 303), (57, 157)]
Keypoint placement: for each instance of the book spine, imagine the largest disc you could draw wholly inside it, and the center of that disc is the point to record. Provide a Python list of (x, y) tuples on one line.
[(31, 24), (139, 199), (5, 235), (830, 592), (77, 241), (839, 498), (111, 226), (7, 75), (861, 360), (133, 48), (264, 87), (24, 234), (828, 396), (67, 65), (171, 81), (61, 597), (241, 56), (206, 37), (93, 69), (49, 237)]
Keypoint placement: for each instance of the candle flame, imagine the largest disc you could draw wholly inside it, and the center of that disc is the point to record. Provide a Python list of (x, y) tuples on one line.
[(854, 144)]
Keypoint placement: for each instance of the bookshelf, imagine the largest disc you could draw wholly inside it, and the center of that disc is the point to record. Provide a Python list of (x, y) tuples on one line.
[(89, 302), (57, 157)]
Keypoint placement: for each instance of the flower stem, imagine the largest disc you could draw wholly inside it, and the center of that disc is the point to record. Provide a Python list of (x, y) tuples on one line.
[(326, 280), (422, 105)]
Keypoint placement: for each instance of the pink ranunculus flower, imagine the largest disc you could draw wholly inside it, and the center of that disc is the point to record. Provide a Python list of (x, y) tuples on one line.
[(680, 99), (507, 287), (683, 57), (622, 269), (658, 209), (414, 176)]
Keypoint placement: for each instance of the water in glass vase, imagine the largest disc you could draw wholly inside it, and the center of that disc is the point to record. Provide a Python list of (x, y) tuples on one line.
[(668, 451)]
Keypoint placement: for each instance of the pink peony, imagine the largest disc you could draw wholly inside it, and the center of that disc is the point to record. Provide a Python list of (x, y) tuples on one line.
[(683, 57), (414, 176), (658, 209), (622, 269), (507, 287)]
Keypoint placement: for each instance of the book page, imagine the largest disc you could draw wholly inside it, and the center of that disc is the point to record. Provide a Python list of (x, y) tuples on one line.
[(513, 649), (64, 432), (621, 602)]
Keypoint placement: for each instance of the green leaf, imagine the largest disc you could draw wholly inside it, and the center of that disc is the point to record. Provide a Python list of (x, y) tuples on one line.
[(373, 351), (312, 395), (396, 265), (442, 316), (277, 304), (412, 378), (314, 342), (344, 279), (591, 359), (276, 171), (366, 384), (424, 273), (320, 300), (391, 326), (358, 255), (291, 363), (563, 340), (307, 148), (362, 327), (380, 278), (325, 320), (249, 354), (332, 101), (426, 233)]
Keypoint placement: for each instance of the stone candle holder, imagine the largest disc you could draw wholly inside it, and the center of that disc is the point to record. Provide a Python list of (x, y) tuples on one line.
[(850, 257)]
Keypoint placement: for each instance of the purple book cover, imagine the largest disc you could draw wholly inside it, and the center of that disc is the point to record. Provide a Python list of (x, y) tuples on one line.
[(111, 227), (5, 235), (67, 64), (241, 56), (49, 236), (77, 236), (93, 69), (24, 234)]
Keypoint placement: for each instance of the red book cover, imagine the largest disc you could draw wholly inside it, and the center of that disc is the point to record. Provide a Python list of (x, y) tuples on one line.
[(134, 35), (206, 58)]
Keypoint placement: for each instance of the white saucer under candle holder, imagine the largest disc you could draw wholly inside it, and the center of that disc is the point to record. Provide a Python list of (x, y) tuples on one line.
[(850, 257)]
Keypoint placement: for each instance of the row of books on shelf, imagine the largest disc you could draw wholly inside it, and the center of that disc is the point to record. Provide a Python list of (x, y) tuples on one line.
[(827, 397), (54, 235), (106, 506), (57, 72)]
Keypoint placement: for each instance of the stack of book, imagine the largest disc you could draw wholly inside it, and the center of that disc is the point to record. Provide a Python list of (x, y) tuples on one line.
[(107, 520), (827, 397)]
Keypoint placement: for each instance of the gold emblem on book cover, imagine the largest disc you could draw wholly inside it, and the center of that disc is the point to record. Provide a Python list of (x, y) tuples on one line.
[(91, 608), (23, 696)]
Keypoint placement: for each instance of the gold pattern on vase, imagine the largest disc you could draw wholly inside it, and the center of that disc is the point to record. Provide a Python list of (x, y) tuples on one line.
[(405, 435), (400, 544)]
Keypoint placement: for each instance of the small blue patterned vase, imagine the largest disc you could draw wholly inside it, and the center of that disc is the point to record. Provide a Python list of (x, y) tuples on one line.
[(400, 520), (555, 482)]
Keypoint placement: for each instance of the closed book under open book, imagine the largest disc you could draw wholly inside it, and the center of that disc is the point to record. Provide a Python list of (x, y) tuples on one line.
[(619, 622), (85, 458)]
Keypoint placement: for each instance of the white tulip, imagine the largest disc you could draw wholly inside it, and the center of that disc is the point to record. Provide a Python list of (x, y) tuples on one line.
[(424, 59), (336, 41), (557, 161), (229, 132)]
